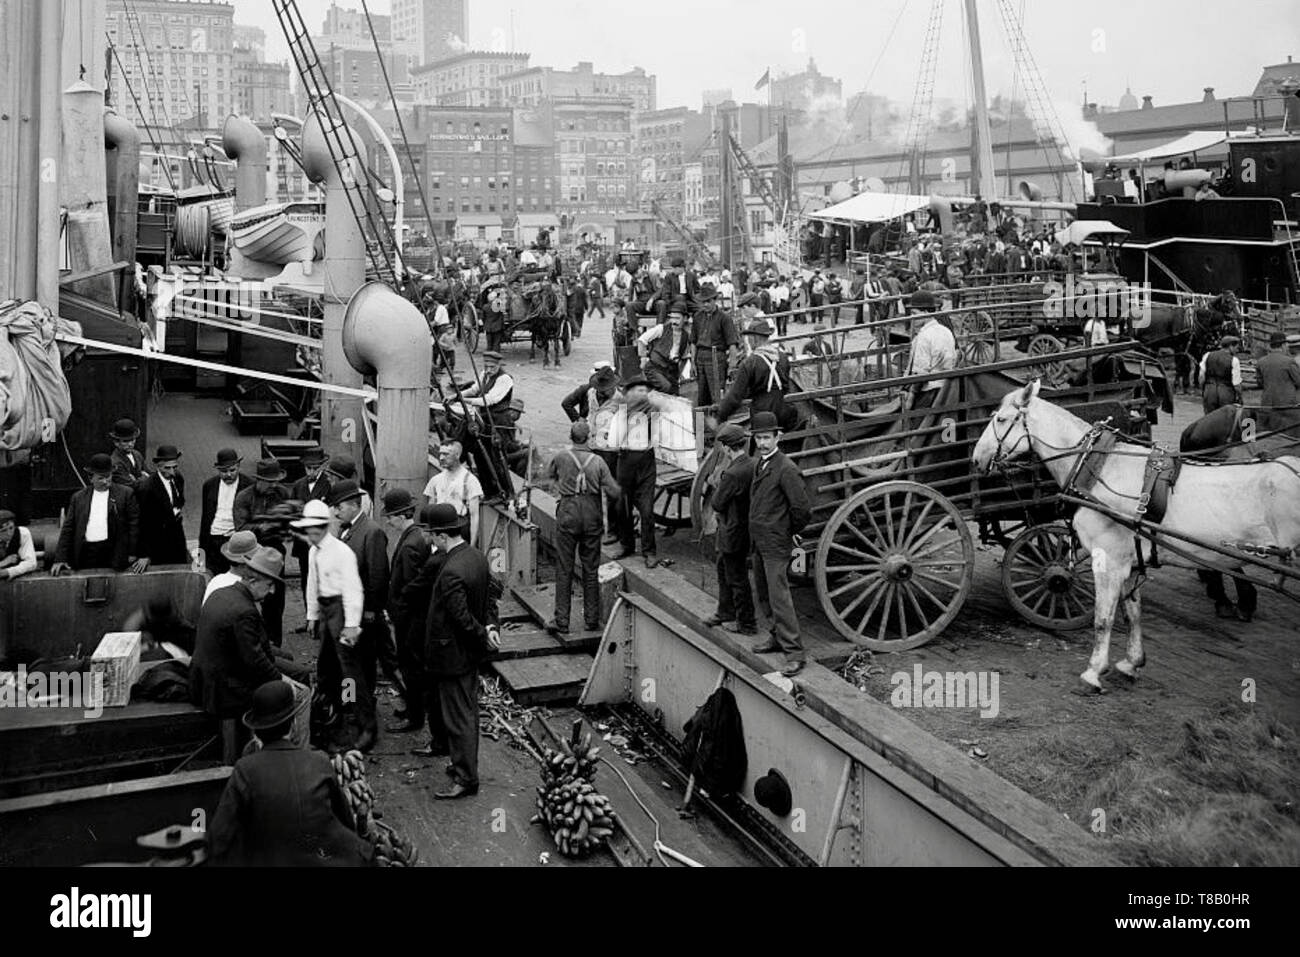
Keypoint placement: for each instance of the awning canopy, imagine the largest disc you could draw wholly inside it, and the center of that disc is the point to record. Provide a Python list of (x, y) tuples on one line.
[(1081, 230), (872, 208), (1193, 142)]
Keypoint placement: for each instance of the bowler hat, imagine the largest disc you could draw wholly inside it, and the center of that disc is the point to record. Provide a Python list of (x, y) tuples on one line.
[(345, 491), (763, 422), (398, 501), (267, 562), (707, 293), (922, 299), (314, 514), (732, 436), (442, 517), (343, 466), (269, 470), (772, 791), (228, 457), (604, 377), (240, 547), (167, 453), (272, 705), (125, 429), (1277, 339), (100, 464), (679, 263), (314, 456), (633, 381)]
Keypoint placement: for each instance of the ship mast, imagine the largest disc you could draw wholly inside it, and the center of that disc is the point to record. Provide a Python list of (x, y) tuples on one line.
[(983, 178)]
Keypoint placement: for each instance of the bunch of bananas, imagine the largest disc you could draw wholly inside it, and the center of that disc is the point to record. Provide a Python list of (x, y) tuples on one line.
[(391, 849), (578, 817), (350, 772)]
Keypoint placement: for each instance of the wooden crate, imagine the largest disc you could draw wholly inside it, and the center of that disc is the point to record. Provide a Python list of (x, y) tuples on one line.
[(118, 659)]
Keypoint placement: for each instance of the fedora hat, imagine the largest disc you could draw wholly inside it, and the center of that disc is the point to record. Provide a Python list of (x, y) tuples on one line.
[(760, 327), (314, 456), (345, 491), (442, 517), (708, 292), (270, 470), (267, 562), (167, 453), (763, 422), (314, 514), (240, 547), (492, 354), (922, 299), (1229, 340), (772, 791), (228, 457), (273, 704), (398, 501), (100, 464), (125, 429), (1277, 339)]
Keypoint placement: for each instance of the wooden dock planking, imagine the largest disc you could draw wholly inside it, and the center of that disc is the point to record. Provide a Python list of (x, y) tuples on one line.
[(549, 679)]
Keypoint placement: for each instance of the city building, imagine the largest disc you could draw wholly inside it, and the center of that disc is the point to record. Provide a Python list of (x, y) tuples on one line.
[(666, 140), (260, 88), (594, 151), (359, 75), (466, 79), (693, 196), (806, 89), (531, 86), (477, 175), (347, 28), (715, 97), (429, 30), (176, 61)]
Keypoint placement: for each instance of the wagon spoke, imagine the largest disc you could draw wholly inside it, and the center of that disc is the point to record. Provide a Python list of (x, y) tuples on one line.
[(863, 538), (871, 609), (855, 553), (889, 519), (884, 613), (919, 523), (901, 529), (855, 583), (929, 534), (916, 605), (928, 594), (918, 558), (938, 580), (902, 612)]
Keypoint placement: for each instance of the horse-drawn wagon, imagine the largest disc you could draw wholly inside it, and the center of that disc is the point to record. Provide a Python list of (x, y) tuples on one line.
[(893, 492), (527, 305)]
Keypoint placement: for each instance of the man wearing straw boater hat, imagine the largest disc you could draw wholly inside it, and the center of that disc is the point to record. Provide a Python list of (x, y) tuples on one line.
[(282, 806), (335, 603), (232, 654)]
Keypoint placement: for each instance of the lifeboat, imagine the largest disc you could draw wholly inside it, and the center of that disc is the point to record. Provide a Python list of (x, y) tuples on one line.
[(280, 233)]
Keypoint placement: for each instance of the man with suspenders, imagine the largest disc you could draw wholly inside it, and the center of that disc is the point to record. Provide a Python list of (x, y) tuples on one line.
[(580, 477)]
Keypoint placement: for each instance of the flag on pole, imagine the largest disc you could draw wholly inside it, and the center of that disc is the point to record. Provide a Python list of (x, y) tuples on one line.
[(764, 79)]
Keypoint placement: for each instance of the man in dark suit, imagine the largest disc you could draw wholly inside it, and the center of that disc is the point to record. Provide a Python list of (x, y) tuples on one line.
[(128, 462), (282, 806), (232, 655), (410, 553), (262, 510), (315, 484), (102, 526), (460, 631), (217, 518), (731, 501), (162, 497), (678, 286), (370, 545)]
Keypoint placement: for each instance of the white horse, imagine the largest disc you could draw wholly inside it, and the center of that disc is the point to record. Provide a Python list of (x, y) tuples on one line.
[(1254, 502)]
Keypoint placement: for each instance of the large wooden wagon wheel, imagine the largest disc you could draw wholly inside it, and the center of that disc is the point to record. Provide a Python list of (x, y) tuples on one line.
[(469, 328), (977, 347), (1053, 374), (894, 566), (1047, 577), (672, 507)]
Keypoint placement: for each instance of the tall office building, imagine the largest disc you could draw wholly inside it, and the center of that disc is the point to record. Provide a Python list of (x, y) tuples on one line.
[(430, 30), (176, 61)]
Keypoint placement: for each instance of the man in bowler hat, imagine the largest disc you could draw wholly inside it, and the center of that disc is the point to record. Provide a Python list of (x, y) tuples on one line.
[(102, 526)]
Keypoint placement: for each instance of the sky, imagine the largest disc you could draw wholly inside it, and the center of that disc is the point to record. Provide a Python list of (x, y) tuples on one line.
[(1169, 49)]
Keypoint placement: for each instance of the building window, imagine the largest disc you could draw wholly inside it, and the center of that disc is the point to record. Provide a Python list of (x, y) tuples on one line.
[(482, 232)]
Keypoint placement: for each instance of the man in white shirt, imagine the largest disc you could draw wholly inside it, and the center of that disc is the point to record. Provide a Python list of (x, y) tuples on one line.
[(335, 603), (934, 349), (217, 521), (457, 486), (101, 526), (1095, 332), (634, 432), (664, 347), (17, 553), (237, 551)]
